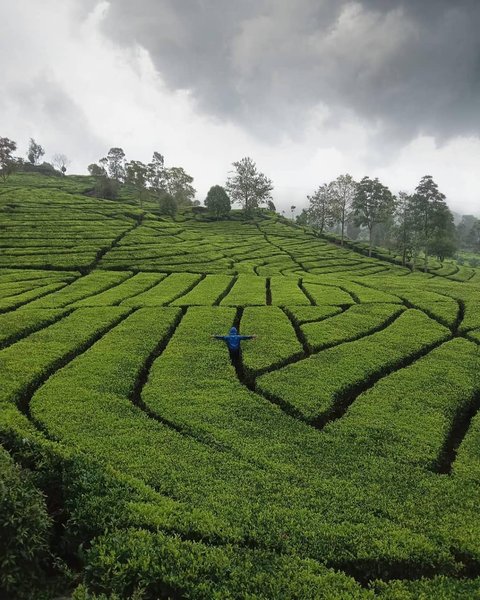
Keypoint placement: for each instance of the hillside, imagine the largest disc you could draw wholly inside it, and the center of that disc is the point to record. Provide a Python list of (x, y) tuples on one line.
[(337, 457)]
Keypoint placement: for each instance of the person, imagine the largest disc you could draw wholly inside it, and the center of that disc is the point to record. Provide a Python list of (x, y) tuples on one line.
[(233, 339)]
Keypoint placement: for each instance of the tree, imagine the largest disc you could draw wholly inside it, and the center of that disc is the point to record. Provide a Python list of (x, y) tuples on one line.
[(136, 174), (302, 218), (320, 209), (8, 163), (168, 205), (464, 231), (114, 164), (97, 170), (35, 152), (473, 238), (105, 187), (432, 217), (178, 184), (174, 181), (353, 230), (373, 204), (217, 201), (343, 193), (60, 162), (155, 172), (247, 186), (271, 206), (404, 229), (443, 244)]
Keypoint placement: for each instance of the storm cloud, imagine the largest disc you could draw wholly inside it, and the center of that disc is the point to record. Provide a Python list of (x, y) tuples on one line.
[(308, 89), (407, 67)]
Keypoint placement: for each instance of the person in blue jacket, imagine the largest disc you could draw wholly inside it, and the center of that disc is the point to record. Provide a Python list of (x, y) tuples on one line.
[(233, 339)]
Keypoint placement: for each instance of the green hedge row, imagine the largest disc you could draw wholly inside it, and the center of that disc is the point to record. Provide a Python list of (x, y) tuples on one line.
[(308, 314), (74, 260), (248, 290), (83, 287), (196, 389), (169, 289), (88, 405), (33, 358), (323, 294), (13, 275), (316, 385), (147, 565), (18, 300), (408, 416), (471, 318), (357, 321), (286, 292), (13, 289), (276, 341), (439, 307), (207, 292), (23, 322), (467, 463), (138, 284), (25, 528)]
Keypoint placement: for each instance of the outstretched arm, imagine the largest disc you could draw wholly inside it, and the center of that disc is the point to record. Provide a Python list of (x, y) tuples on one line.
[(219, 337), (247, 337)]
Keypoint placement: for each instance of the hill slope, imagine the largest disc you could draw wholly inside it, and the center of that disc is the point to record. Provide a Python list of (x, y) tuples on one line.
[(337, 457)]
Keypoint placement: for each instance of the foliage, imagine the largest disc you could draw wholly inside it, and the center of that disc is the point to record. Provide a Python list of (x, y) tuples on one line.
[(302, 218), (8, 163), (61, 162), (373, 204), (287, 292), (317, 464), (268, 350), (136, 174), (340, 371), (155, 172), (208, 291), (35, 152), (248, 186), (320, 211), (114, 164), (343, 191), (433, 220), (167, 205), (24, 531), (178, 184), (217, 201), (140, 564), (168, 290), (468, 233), (248, 290), (406, 239), (107, 188)]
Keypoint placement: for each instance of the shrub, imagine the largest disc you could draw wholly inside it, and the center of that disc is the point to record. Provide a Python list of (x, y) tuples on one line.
[(474, 262), (24, 530), (217, 201)]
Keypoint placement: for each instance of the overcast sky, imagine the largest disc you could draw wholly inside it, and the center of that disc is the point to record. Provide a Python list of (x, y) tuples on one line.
[(309, 89)]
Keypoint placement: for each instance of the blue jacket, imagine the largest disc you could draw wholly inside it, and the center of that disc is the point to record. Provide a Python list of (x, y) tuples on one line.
[(233, 339)]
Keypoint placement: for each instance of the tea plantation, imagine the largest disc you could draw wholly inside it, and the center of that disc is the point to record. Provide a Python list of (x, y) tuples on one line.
[(338, 457)]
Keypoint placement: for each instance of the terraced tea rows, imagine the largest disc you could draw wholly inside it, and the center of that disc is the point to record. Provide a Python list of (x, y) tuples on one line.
[(336, 456)]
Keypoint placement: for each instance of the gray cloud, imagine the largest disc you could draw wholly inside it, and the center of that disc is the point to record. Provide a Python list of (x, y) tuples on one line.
[(406, 66), (42, 108)]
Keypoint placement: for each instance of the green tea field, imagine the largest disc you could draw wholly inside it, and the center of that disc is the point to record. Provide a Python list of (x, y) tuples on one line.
[(337, 457)]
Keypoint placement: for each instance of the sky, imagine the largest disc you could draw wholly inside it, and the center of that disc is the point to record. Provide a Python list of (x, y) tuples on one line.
[(310, 89)]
